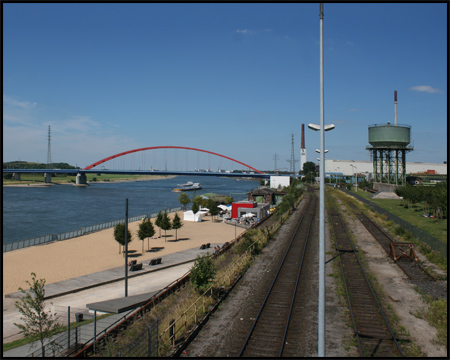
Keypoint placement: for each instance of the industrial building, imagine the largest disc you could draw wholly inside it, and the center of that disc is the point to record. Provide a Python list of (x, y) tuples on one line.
[(365, 168)]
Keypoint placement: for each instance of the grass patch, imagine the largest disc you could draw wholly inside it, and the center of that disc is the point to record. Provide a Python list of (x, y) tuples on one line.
[(411, 215), (437, 316)]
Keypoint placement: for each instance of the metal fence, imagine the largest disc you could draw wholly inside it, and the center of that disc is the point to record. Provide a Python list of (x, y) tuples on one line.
[(146, 344), (66, 343), (419, 234), (75, 233)]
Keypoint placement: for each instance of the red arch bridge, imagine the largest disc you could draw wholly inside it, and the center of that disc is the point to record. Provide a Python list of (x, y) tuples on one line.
[(248, 170)]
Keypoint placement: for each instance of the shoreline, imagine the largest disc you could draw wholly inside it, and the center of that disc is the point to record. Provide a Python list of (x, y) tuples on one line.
[(55, 241), (43, 184), (98, 251)]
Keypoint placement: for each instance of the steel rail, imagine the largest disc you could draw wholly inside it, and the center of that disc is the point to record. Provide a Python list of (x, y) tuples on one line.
[(386, 236), (296, 284), (368, 283), (312, 201)]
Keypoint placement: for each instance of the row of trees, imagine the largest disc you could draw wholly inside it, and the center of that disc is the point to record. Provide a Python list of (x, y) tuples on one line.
[(431, 198), (146, 229), (32, 165)]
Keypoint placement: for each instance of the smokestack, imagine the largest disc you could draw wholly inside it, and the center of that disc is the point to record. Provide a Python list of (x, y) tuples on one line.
[(303, 136), (395, 105)]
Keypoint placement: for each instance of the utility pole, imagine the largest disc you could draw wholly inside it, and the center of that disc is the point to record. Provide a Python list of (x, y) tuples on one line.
[(292, 161), (275, 157)]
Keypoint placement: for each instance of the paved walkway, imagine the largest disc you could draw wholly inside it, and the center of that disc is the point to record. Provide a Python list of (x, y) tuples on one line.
[(88, 287)]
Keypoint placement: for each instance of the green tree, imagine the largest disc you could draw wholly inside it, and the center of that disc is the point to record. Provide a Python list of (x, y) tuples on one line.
[(202, 271), (119, 234), (176, 224), (158, 221), (146, 230), (184, 199), (197, 202), (165, 224), (294, 192), (309, 167), (228, 200), (195, 207), (213, 209), (37, 322)]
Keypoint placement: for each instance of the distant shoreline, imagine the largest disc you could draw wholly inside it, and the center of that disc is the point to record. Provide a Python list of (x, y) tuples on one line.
[(43, 184)]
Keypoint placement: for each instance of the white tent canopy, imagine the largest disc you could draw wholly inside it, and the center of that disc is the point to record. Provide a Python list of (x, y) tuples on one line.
[(248, 215), (190, 216)]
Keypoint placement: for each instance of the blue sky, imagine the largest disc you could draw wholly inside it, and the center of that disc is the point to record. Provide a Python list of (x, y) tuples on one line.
[(235, 79)]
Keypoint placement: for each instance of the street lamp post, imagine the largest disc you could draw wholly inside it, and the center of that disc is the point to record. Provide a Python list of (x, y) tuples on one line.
[(322, 127)]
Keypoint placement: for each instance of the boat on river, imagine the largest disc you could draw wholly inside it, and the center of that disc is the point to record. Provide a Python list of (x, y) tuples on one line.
[(187, 187)]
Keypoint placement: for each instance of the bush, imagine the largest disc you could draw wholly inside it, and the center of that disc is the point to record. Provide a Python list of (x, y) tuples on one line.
[(398, 230), (246, 241), (408, 236), (202, 271)]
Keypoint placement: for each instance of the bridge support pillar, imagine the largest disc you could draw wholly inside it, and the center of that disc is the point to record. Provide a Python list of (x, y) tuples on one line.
[(16, 176), (47, 178), (81, 179)]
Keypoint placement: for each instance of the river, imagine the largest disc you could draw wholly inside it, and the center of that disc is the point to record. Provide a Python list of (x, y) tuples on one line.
[(30, 212)]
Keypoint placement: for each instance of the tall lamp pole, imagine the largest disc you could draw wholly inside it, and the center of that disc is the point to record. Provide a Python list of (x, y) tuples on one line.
[(321, 335), (322, 127)]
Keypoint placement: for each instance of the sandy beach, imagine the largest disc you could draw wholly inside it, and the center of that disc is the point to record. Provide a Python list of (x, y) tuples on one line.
[(99, 251)]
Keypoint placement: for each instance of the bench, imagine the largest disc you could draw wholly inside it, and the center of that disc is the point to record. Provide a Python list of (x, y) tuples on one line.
[(155, 261), (203, 247), (208, 245), (134, 267)]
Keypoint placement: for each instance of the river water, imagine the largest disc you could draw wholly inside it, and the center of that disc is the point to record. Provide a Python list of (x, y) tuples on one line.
[(30, 212)]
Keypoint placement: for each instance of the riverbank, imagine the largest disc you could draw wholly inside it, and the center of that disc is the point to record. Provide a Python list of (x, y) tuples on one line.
[(99, 251), (65, 181)]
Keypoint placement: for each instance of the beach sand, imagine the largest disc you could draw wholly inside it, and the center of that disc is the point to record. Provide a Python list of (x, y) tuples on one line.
[(99, 251)]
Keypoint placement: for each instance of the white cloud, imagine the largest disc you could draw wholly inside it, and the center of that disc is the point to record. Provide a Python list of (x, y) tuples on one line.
[(425, 88), (9, 100)]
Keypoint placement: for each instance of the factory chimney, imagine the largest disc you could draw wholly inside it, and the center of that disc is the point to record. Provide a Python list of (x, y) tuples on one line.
[(395, 106), (302, 149), (303, 136)]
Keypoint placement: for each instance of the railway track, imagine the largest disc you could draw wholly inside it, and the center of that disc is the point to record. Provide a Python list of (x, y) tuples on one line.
[(402, 253), (373, 333), (274, 329)]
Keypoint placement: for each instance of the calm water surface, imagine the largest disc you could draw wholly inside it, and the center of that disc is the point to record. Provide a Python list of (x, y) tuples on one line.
[(30, 212)]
